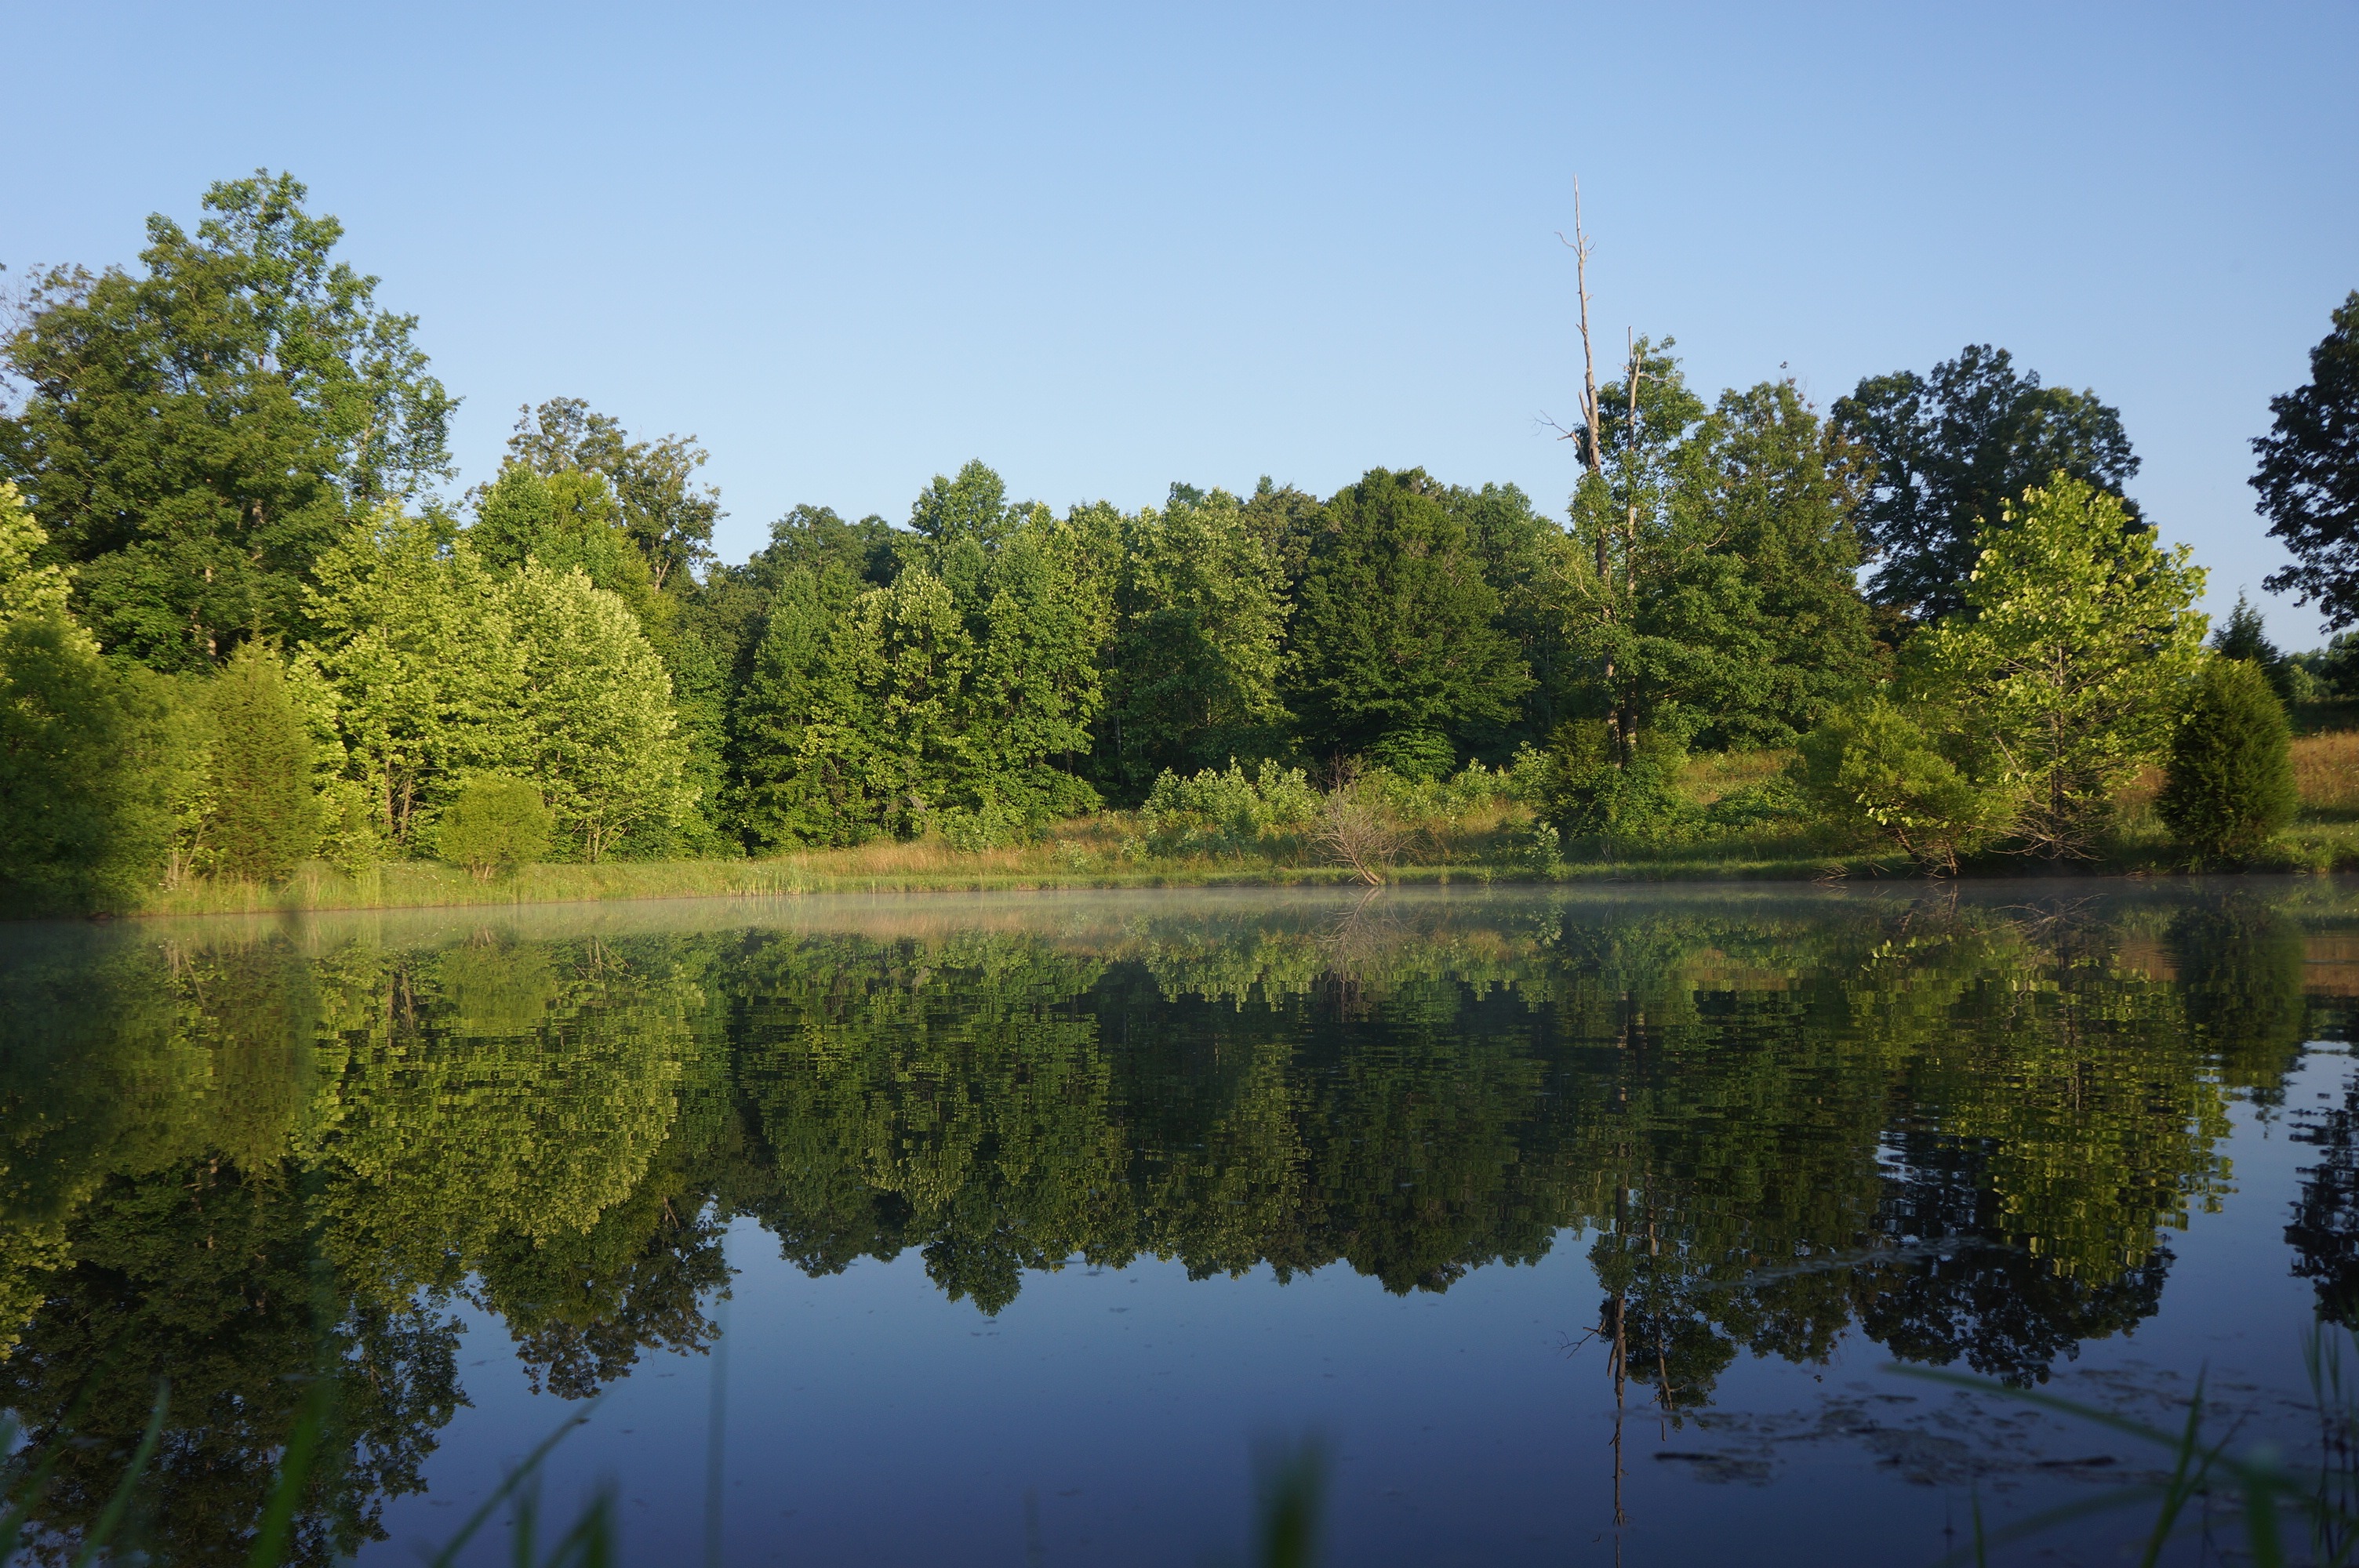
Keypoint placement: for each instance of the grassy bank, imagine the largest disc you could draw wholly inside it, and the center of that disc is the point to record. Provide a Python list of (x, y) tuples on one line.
[(1460, 840)]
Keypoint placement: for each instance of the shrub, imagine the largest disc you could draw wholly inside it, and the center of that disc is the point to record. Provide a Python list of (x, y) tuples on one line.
[(494, 824), (2230, 786), (1875, 775), (1589, 793), (1221, 813)]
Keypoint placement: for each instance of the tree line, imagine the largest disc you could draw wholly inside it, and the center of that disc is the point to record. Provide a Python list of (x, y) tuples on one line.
[(245, 622)]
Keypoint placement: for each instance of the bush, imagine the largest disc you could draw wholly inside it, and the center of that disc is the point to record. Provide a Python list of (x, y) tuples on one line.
[(1875, 775), (1221, 813), (2230, 788), (1589, 793), (494, 824)]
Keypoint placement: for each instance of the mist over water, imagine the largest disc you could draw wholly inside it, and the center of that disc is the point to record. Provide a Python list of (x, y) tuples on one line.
[(1577, 1223)]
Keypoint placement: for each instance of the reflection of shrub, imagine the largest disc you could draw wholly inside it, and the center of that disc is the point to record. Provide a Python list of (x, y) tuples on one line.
[(2231, 784), (494, 824), (1220, 813), (1874, 773)]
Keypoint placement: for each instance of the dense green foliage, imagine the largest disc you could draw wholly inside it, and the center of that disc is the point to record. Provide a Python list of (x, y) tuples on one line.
[(194, 438), (494, 824), (1963, 1134), (2309, 474), (1951, 451), (266, 814), (2230, 788), (226, 464)]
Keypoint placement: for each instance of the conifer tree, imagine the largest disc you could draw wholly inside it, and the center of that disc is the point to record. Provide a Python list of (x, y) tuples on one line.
[(2229, 787), (266, 814)]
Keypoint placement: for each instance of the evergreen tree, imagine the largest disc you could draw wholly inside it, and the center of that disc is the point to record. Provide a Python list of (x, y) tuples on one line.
[(2229, 787), (1395, 650), (1951, 450), (266, 815), (196, 436), (2309, 475), (2244, 637)]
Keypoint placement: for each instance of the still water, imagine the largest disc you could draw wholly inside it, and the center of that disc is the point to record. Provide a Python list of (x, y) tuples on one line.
[(1575, 1227)]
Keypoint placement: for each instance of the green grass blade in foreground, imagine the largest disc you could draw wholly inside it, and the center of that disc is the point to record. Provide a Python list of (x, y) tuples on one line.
[(112, 1515), (1293, 1484), (293, 1474), (516, 1477), (2258, 1481)]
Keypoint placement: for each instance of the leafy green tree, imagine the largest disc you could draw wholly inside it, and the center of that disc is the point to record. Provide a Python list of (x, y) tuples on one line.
[(566, 520), (2309, 474), (1198, 656), (1634, 533), (28, 588), (265, 816), (789, 786), (494, 824), (2230, 786), (196, 436), (78, 830), (419, 654), (2069, 675), (663, 513), (597, 728), (1955, 447), (2244, 637), (1394, 633), (1776, 593), (1706, 588)]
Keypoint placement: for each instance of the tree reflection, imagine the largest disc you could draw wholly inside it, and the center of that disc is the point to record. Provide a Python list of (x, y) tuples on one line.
[(1963, 1133)]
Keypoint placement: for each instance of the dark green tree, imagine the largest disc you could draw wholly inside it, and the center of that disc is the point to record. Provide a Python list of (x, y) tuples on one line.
[(2309, 474), (79, 824), (195, 436), (1394, 641), (783, 794), (2245, 637), (1950, 450), (2230, 786)]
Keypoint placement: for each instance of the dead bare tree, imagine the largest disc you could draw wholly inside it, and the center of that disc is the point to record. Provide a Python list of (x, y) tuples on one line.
[(1354, 829)]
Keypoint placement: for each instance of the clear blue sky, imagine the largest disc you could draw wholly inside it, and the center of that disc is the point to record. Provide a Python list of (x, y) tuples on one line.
[(1107, 247)]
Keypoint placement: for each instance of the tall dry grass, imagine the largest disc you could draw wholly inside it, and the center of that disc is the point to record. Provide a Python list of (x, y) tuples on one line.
[(2326, 770)]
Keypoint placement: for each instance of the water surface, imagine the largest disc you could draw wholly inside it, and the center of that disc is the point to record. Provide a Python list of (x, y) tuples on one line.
[(1576, 1226)]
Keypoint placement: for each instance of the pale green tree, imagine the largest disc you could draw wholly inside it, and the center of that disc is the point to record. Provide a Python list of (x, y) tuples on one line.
[(26, 587), (2070, 673), (422, 664), (598, 730)]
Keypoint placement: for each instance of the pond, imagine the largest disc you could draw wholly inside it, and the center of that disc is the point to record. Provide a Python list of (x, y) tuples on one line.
[(1549, 1225)]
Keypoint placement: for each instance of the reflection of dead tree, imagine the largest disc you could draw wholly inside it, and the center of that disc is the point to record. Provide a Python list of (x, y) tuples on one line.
[(1353, 828)]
